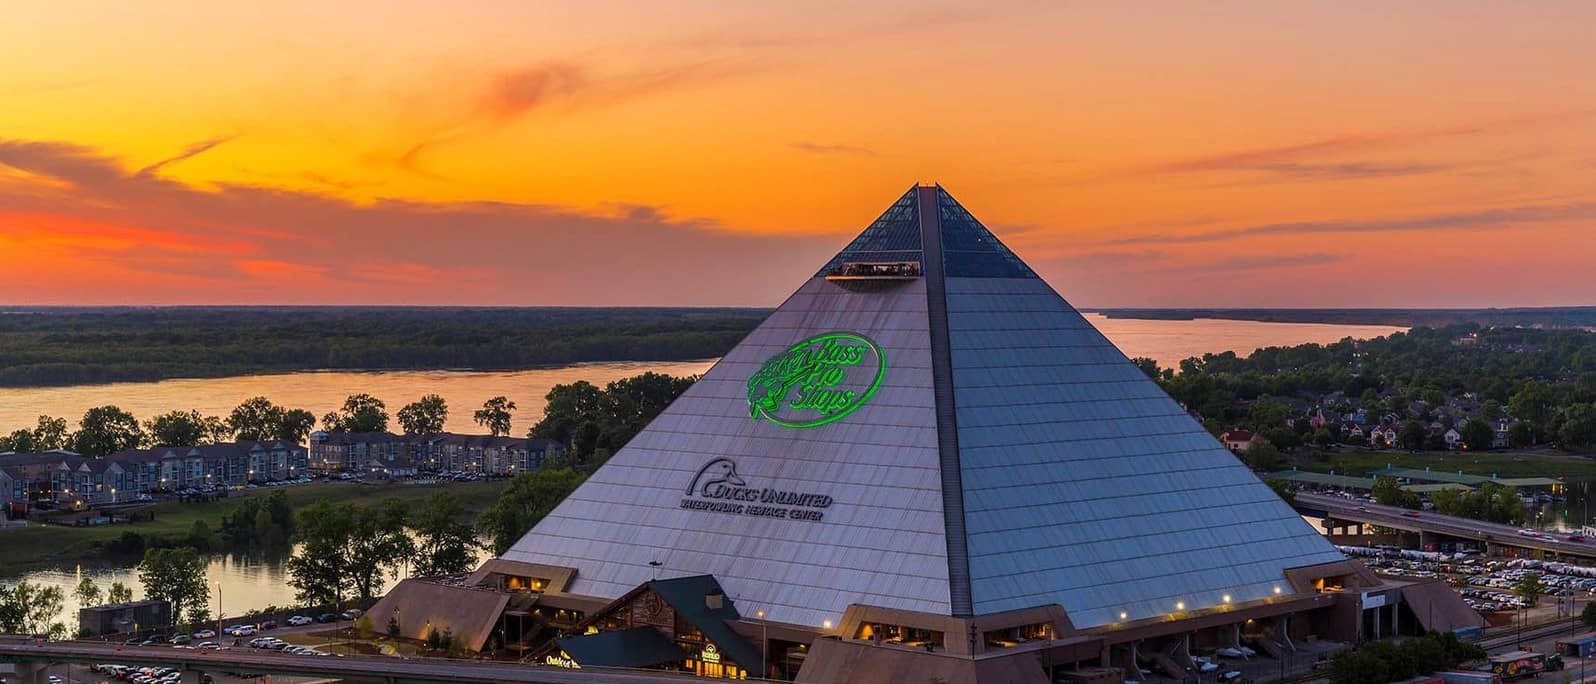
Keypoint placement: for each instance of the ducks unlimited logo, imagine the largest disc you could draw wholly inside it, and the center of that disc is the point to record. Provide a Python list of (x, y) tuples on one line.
[(817, 381), (719, 488)]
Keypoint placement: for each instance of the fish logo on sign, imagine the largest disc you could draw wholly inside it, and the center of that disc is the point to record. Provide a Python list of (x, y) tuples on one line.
[(817, 381)]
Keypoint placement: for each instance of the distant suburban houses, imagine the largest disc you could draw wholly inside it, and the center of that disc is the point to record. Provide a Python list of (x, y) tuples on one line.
[(1442, 424)]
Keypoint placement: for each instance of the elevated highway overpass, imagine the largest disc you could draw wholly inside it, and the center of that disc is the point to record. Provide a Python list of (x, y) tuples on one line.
[(27, 659), (1434, 524)]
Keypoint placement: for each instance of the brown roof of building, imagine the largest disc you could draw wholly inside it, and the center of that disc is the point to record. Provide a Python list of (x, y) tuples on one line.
[(1442, 609), (470, 613)]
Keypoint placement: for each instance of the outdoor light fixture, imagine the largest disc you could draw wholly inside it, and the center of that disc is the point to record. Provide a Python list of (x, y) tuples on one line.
[(1277, 590), (1123, 615), (1226, 598), (826, 624), (1180, 605)]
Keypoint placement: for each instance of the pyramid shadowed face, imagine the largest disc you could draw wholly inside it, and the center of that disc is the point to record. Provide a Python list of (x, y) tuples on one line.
[(817, 381)]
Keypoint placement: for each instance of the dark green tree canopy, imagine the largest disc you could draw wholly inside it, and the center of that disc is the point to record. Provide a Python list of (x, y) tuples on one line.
[(594, 421), (445, 543), (495, 415), (176, 575), (106, 430), (529, 498), (186, 428), (360, 413), (424, 417)]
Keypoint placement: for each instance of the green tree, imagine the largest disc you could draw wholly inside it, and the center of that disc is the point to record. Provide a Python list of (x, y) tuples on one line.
[(87, 592), (589, 419), (1529, 586), (176, 575), (19, 441), (106, 430), (1148, 366), (320, 570), (1261, 454), (1267, 413), (296, 426), (444, 544), (1283, 489), (360, 413), (1387, 491), (50, 433), (1520, 434), (28, 608), (185, 428), (118, 593), (1579, 427), (424, 417), (1534, 403), (529, 498), (199, 613), (495, 415), (1478, 435), (255, 420), (377, 542), (1411, 436)]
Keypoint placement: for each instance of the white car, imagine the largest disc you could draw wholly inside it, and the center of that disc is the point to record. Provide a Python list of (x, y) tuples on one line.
[(241, 630), (299, 621)]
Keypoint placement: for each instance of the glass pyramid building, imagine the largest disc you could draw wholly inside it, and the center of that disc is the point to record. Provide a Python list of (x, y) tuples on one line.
[(926, 426)]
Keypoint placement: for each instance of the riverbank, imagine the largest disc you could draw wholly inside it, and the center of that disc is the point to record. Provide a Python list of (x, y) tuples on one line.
[(1550, 317), (40, 546), (1505, 463)]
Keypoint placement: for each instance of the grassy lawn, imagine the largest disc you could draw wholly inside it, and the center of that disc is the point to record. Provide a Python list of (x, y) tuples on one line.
[(1505, 463), (39, 545)]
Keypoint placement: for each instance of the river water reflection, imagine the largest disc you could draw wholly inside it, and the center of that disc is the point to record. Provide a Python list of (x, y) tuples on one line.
[(245, 581)]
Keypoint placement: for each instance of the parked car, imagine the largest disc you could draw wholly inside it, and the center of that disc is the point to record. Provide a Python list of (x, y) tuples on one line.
[(268, 624), (180, 639), (327, 617), (299, 621), (351, 614), (205, 634)]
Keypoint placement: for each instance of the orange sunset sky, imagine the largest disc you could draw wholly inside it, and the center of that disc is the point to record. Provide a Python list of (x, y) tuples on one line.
[(1364, 154)]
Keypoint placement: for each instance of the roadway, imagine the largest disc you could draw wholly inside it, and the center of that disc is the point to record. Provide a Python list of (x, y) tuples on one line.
[(1435, 523), (364, 668)]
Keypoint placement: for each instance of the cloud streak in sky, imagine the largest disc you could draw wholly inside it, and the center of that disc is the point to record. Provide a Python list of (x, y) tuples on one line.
[(847, 150), (188, 153), (1488, 219), (130, 231)]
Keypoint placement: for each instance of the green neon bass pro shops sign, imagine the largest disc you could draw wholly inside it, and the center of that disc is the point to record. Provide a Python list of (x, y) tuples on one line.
[(817, 381)]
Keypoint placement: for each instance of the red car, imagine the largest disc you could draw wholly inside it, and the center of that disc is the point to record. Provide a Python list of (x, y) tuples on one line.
[(1411, 514), (1576, 538)]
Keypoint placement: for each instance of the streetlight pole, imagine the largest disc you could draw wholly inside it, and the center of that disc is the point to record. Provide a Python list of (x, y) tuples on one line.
[(764, 646)]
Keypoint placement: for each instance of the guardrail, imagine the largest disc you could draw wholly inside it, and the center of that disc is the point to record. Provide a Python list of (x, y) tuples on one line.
[(385, 668)]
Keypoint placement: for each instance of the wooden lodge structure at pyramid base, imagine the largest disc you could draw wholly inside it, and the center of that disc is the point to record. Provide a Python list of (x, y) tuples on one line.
[(926, 465), (688, 624)]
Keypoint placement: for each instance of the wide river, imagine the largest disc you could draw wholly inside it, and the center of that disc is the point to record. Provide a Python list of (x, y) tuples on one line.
[(1166, 341), (251, 583)]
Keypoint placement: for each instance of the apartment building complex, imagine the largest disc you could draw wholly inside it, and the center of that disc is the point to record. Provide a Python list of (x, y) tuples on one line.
[(67, 478), (400, 455)]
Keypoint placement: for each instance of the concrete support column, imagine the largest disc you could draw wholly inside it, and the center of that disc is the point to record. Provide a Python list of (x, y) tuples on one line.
[(25, 673), (192, 676)]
